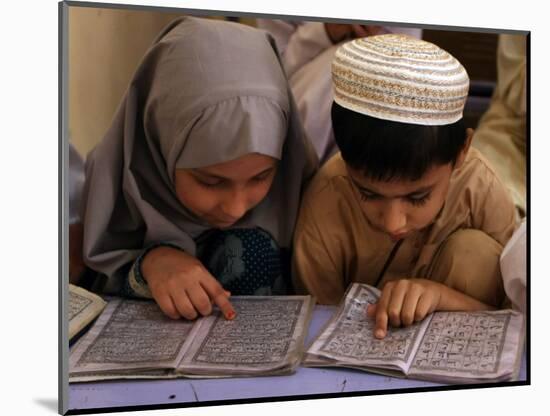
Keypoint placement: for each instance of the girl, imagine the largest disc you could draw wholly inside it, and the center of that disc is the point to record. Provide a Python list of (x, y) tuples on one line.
[(193, 193)]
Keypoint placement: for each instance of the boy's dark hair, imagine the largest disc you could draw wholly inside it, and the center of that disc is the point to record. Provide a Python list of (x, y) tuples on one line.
[(385, 150)]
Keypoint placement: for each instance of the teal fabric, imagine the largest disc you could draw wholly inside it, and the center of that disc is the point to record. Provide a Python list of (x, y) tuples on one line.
[(246, 261)]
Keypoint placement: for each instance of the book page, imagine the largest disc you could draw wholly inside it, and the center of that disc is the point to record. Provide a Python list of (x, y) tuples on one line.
[(349, 338), (84, 306), (470, 346), (131, 334), (266, 336)]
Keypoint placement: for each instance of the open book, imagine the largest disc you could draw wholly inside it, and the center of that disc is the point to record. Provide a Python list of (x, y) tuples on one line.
[(453, 347), (133, 339), (84, 306)]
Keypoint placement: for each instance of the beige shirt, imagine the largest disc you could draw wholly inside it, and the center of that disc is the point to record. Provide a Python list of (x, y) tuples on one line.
[(502, 131), (335, 245)]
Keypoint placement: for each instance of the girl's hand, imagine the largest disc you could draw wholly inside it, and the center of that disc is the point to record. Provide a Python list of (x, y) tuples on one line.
[(404, 302), (182, 286)]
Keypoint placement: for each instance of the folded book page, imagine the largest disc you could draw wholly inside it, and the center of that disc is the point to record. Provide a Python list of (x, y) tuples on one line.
[(84, 306)]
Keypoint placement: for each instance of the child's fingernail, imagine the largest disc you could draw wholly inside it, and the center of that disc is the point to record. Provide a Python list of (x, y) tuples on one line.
[(230, 315), (380, 333)]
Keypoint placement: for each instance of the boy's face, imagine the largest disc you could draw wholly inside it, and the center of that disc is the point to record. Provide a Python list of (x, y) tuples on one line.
[(400, 207)]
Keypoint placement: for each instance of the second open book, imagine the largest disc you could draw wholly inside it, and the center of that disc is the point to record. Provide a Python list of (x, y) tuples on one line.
[(449, 347)]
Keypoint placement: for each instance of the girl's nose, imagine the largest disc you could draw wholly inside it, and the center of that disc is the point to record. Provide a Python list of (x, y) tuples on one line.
[(235, 205)]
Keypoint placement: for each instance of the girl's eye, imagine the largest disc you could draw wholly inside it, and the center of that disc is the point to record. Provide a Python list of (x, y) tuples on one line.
[(260, 178), (213, 184), (264, 176), (418, 201)]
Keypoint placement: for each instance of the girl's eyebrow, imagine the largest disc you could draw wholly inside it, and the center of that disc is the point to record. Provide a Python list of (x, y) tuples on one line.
[(207, 175), (214, 176), (265, 171), (416, 192)]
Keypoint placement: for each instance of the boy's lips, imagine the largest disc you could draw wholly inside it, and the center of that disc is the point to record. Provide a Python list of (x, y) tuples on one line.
[(396, 237)]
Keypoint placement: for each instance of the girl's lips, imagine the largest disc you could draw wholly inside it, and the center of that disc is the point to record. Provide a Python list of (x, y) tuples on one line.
[(219, 224), (222, 223)]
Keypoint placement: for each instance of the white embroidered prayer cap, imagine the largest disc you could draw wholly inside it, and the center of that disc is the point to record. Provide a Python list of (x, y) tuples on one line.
[(400, 78)]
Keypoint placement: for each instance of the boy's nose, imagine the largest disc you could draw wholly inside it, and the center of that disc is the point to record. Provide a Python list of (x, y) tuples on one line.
[(394, 218)]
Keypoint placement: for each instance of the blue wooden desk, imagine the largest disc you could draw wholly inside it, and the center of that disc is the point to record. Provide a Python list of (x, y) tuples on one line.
[(306, 381)]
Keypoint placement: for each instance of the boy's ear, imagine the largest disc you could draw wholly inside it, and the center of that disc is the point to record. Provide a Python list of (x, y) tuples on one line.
[(462, 155)]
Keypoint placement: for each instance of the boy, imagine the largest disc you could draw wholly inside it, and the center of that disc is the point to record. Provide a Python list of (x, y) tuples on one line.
[(406, 205)]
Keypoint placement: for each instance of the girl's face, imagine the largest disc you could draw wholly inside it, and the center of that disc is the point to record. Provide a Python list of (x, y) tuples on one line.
[(223, 193)]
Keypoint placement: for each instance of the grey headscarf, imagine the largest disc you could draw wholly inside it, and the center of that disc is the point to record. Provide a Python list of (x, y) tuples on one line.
[(206, 92)]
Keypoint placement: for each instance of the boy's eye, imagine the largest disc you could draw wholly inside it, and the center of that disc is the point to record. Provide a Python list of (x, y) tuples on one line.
[(414, 200), (418, 200), (365, 196)]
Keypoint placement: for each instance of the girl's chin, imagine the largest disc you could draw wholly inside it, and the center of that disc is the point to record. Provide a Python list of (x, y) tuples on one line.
[(221, 224)]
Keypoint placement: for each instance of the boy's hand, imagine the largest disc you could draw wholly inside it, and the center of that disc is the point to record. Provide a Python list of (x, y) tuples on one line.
[(337, 32), (361, 31), (403, 302), (182, 286)]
